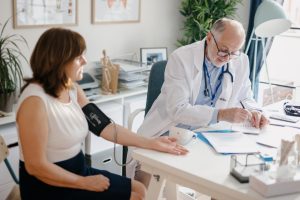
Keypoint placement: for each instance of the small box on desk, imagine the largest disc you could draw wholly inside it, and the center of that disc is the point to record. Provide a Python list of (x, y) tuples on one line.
[(104, 160), (268, 187)]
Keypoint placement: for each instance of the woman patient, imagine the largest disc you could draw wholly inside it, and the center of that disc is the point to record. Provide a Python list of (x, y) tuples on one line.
[(52, 127)]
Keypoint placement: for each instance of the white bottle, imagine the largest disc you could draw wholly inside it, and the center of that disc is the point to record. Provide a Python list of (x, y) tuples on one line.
[(287, 161)]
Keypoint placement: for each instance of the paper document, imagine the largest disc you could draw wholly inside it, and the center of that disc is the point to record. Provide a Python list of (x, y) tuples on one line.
[(235, 142), (245, 128), (273, 135), (284, 123), (226, 127), (220, 126)]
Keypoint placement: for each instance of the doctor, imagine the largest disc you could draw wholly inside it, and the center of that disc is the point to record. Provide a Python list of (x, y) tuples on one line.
[(205, 82)]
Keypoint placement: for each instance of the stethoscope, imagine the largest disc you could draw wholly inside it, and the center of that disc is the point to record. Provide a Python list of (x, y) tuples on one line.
[(207, 81)]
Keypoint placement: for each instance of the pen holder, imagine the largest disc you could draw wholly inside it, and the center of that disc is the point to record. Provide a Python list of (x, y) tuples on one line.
[(243, 165)]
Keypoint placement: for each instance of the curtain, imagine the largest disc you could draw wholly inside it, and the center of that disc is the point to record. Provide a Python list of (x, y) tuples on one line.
[(259, 57), (253, 6)]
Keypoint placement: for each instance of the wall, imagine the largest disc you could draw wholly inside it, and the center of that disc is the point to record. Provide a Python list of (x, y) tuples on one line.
[(242, 13), (159, 26)]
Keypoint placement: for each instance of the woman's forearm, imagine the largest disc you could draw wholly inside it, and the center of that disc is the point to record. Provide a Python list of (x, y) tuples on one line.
[(55, 175), (124, 136)]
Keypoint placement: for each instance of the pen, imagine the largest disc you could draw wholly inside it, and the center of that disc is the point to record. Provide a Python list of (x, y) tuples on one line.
[(219, 131), (250, 107), (242, 105)]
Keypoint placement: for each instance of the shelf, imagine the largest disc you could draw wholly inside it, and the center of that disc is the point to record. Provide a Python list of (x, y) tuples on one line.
[(99, 98), (122, 93), (7, 119)]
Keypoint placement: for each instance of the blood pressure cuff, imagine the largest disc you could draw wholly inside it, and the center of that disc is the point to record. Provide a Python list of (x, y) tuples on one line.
[(96, 119)]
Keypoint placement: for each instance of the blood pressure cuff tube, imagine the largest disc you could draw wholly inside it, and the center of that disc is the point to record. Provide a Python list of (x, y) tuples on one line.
[(96, 119)]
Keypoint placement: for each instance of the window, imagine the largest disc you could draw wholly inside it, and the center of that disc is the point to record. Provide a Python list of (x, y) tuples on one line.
[(283, 61), (292, 8)]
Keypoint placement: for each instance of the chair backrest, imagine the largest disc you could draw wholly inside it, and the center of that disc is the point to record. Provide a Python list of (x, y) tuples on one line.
[(15, 192), (156, 79), (3, 149), (3, 157)]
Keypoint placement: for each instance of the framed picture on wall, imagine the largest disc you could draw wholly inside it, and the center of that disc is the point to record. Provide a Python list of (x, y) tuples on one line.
[(149, 56), (35, 13), (115, 11)]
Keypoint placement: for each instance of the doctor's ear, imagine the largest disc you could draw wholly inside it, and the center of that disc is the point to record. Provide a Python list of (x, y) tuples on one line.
[(208, 37)]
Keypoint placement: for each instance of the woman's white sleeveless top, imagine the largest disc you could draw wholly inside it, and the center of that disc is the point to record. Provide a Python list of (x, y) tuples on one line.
[(67, 126)]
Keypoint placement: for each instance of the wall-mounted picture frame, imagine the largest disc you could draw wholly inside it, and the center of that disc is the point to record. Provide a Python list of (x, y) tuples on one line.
[(41, 13), (149, 56), (115, 11)]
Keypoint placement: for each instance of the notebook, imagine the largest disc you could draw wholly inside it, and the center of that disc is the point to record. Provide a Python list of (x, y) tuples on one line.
[(234, 142)]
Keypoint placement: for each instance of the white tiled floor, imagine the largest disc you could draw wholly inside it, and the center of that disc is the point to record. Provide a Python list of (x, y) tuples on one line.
[(186, 194), (189, 194), (186, 197)]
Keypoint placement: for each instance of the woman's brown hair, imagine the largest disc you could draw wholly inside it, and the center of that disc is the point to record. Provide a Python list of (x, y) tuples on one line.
[(54, 50)]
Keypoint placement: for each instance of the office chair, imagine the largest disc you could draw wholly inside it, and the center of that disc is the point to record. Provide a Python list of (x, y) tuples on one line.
[(156, 79), (15, 192)]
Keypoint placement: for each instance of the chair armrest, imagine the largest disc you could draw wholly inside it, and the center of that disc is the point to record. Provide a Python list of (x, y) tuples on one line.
[(132, 116)]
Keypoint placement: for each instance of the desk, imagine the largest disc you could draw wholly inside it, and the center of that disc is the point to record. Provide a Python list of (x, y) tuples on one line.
[(201, 169)]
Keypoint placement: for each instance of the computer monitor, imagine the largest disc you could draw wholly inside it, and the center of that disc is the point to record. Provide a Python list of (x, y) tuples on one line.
[(88, 81)]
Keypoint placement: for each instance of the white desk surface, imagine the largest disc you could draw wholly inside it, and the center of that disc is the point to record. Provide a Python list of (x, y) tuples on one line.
[(202, 170)]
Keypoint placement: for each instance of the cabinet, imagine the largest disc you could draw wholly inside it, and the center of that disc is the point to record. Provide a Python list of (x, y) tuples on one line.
[(98, 150)]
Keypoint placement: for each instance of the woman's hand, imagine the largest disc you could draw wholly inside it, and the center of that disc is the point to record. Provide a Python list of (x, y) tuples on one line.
[(167, 144), (96, 183)]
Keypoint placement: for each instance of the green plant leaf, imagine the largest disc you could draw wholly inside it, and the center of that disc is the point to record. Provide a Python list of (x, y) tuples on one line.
[(200, 15), (11, 74)]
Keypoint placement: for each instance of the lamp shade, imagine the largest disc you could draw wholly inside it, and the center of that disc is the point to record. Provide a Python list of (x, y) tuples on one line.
[(270, 19)]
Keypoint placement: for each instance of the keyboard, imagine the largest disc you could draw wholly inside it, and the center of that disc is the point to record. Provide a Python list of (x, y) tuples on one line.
[(284, 117)]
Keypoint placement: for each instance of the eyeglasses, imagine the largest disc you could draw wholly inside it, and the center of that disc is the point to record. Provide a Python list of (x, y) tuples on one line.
[(224, 54)]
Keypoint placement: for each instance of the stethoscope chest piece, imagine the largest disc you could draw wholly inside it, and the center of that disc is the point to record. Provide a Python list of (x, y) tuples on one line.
[(206, 92)]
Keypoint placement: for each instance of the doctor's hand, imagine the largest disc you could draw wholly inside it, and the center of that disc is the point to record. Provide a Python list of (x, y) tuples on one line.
[(234, 115), (258, 120), (168, 145)]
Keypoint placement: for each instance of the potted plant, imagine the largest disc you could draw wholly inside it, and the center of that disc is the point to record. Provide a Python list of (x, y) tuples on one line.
[(11, 75), (201, 14)]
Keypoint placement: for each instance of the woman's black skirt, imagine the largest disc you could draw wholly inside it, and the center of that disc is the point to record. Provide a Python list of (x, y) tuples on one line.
[(32, 188)]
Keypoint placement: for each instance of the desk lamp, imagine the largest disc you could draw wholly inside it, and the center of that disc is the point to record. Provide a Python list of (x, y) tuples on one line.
[(270, 20)]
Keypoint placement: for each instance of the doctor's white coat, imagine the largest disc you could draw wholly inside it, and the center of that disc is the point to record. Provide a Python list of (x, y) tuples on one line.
[(183, 75), (176, 102)]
